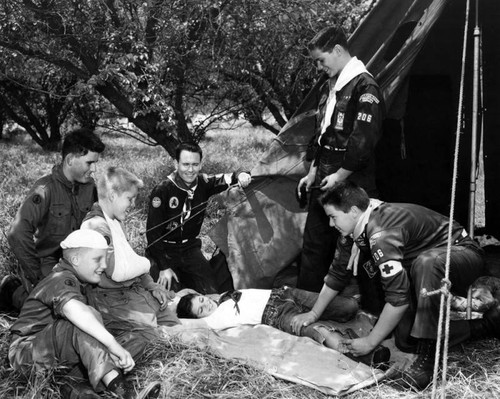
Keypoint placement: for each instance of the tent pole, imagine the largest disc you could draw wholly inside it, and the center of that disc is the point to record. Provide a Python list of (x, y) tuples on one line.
[(475, 113)]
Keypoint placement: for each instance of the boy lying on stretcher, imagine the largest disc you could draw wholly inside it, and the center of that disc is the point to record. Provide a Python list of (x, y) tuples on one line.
[(275, 308)]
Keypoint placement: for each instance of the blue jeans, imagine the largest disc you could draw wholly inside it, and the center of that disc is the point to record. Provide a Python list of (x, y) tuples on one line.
[(286, 302)]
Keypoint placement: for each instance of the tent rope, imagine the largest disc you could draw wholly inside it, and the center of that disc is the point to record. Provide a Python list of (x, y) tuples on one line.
[(444, 308)]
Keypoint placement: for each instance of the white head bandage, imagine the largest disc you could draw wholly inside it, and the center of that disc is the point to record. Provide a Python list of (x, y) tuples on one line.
[(84, 239)]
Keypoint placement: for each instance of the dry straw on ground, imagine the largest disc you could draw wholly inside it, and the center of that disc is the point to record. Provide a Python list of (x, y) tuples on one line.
[(185, 370)]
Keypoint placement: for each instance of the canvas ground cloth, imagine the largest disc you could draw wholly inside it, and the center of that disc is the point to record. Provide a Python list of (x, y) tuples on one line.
[(297, 359)]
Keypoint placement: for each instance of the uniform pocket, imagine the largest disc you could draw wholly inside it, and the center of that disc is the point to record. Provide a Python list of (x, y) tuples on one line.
[(60, 219)]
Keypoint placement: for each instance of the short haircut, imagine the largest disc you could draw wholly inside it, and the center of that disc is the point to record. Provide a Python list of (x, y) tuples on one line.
[(187, 146), (344, 195), (80, 142), (118, 180), (327, 38), (185, 307)]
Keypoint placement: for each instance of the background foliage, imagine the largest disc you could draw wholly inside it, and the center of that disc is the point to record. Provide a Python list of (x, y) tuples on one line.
[(172, 68)]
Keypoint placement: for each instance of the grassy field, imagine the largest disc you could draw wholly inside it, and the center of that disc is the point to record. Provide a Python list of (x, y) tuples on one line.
[(187, 372)]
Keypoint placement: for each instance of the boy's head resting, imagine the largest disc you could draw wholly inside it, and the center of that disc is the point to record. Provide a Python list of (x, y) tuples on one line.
[(195, 306), (86, 251), (80, 152), (117, 189)]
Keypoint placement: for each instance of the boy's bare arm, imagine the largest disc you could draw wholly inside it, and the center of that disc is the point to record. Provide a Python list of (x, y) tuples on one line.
[(85, 318)]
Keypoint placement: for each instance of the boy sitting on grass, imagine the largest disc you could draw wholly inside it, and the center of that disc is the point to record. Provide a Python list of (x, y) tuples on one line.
[(275, 308), (126, 295), (57, 328)]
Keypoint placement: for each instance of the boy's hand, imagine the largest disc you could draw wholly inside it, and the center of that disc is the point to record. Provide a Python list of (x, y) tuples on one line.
[(165, 278), (162, 296), (121, 357), (302, 320), (244, 179), (308, 181), (358, 346)]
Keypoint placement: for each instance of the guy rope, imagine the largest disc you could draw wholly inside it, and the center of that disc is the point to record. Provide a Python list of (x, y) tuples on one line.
[(444, 291)]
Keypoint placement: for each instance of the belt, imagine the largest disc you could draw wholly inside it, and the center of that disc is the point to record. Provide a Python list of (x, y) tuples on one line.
[(176, 242), (330, 148)]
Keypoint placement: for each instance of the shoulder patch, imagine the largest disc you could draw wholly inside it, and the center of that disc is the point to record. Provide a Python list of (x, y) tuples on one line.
[(36, 199), (368, 98), (70, 282), (156, 202), (374, 237)]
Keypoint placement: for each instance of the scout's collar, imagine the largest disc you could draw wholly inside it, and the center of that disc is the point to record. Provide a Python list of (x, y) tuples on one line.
[(358, 230), (175, 178)]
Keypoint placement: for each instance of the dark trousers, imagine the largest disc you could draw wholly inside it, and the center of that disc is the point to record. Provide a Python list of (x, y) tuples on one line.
[(318, 247), (191, 266), (63, 344), (422, 317)]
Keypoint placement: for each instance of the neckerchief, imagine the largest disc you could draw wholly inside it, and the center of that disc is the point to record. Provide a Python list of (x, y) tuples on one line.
[(352, 69), (234, 295), (358, 230), (186, 209)]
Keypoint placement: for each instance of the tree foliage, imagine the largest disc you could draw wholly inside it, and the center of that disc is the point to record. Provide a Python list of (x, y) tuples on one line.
[(173, 67)]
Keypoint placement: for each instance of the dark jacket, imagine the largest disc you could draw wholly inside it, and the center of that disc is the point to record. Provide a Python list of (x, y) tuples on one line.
[(166, 206), (356, 126), (53, 208)]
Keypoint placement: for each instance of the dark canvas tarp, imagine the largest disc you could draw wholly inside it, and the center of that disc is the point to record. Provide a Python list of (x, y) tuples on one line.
[(414, 49)]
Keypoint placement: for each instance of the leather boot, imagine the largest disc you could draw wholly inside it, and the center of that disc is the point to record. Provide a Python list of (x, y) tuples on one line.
[(377, 358), (7, 287), (487, 327), (419, 375)]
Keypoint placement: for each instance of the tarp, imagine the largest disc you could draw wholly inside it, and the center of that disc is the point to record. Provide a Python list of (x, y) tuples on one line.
[(297, 359), (414, 50)]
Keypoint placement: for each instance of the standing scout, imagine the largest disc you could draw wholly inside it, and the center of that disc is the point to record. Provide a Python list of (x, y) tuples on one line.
[(408, 246), (176, 211), (348, 126), (54, 207), (57, 328)]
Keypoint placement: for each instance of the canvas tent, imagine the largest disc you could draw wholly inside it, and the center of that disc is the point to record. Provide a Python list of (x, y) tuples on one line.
[(414, 50)]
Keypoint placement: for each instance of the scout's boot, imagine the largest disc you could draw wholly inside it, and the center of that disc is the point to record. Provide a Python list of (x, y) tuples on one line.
[(78, 390), (377, 358), (487, 327), (124, 389), (419, 375), (7, 287)]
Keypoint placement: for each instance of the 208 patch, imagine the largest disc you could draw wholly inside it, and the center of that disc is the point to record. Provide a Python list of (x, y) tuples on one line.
[(156, 202), (364, 117)]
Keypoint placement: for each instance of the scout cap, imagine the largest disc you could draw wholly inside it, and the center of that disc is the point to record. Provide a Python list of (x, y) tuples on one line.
[(85, 238)]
